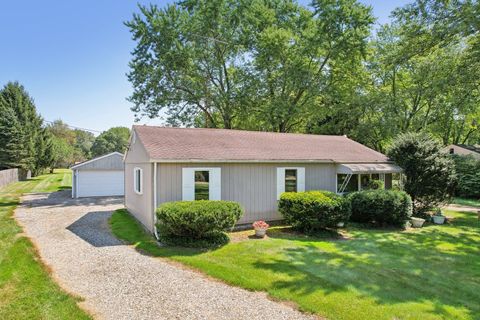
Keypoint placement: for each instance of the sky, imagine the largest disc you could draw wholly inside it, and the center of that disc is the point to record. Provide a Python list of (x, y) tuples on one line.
[(72, 56)]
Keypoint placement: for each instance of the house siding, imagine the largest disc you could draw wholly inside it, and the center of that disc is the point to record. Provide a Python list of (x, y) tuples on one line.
[(140, 205), (253, 185)]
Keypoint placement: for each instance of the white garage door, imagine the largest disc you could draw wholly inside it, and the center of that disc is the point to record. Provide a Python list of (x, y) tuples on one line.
[(100, 183)]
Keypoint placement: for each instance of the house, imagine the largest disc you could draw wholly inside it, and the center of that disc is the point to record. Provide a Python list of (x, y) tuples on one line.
[(102, 176), (253, 168), (464, 150)]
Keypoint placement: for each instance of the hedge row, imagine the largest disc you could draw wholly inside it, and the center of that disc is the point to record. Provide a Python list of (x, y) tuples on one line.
[(203, 223), (312, 210)]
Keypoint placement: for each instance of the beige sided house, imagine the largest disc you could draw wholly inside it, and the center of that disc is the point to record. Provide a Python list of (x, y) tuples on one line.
[(253, 168), (464, 150)]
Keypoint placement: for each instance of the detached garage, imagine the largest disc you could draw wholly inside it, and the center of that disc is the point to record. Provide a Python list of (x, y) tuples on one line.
[(102, 176)]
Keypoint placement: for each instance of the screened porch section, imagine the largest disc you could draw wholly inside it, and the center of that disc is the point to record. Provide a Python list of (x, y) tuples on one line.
[(356, 177)]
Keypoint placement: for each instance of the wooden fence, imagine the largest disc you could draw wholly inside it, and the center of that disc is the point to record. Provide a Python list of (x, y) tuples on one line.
[(13, 175)]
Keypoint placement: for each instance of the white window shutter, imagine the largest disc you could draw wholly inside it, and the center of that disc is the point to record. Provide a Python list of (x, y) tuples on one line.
[(280, 182), (215, 184), (188, 184), (300, 179)]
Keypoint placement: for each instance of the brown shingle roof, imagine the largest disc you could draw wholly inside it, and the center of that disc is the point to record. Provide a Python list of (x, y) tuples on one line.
[(189, 144)]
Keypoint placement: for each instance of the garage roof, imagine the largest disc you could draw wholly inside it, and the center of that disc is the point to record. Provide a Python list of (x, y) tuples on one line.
[(110, 161)]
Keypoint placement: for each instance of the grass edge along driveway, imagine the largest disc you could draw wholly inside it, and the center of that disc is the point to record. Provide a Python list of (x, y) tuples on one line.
[(26, 289), (428, 273)]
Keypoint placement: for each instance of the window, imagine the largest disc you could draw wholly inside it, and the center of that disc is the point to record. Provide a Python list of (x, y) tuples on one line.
[(202, 185), (352, 185), (364, 181), (137, 180), (290, 180), (452, 151)]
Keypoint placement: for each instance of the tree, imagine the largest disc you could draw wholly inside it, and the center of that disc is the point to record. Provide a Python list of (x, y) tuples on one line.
[(430, 172), (45, 157), (12, 151), (468, 172), (70, 145), (83, 143), (21, 126), (263, 65), (114, 139), (62, 153)]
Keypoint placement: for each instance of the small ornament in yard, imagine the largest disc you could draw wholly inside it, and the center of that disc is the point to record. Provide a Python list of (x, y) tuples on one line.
[(438, 217), (260, 228), (417, 222)]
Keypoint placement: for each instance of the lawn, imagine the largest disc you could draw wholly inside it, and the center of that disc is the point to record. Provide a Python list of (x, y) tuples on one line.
[(428, 273), (467, 202), (26, 289)]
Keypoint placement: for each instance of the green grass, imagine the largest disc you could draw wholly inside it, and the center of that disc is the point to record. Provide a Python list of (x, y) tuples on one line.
[(428, 273), (26, 289), (467, 202)]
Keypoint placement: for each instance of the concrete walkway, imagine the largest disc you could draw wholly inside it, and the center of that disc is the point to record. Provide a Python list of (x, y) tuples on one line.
[(118, 282)]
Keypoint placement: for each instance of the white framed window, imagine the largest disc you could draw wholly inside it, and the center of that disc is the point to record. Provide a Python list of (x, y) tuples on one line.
[(290, 179), (201, 184), (138, 180)]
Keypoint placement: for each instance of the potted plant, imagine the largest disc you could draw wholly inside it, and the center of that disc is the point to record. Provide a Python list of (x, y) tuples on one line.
[(260, 228), (438, 217), (417, 222)]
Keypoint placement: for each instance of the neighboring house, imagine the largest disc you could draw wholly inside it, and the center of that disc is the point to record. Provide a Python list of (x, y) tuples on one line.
[(253, 168), (464, 150), (102, 176)]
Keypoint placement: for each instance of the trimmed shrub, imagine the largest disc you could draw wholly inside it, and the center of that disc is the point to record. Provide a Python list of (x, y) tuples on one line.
[(197, 223), (382, 207), (313, 210)]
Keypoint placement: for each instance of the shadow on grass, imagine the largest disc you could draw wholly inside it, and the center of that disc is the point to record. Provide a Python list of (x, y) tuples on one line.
[(126, 228), (288, 233), (8, 203)]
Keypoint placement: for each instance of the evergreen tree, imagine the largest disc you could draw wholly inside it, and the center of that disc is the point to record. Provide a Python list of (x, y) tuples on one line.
[(12, 151), (21, 127), (45, 157)]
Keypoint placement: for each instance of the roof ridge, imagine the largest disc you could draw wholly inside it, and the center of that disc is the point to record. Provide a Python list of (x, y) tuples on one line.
[(242, 130)]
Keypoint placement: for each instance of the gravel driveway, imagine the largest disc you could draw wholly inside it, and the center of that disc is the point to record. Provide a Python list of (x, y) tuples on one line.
[(118, 282)]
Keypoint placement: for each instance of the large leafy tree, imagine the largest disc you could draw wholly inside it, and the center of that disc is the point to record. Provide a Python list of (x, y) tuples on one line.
[(71, 145), (114, 139), (275, 65), (424, 71), (265, 65), (83, 142)]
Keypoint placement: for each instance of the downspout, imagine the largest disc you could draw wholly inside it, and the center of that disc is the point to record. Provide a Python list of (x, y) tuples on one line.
[(155, 200)]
